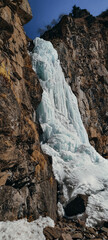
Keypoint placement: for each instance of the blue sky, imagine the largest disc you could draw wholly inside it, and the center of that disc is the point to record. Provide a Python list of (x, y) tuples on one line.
[(44, 11)]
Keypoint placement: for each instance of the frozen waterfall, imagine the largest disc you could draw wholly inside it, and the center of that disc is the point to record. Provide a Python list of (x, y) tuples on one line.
[(76, 164)]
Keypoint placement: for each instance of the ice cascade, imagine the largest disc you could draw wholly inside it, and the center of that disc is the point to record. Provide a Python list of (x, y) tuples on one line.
[(76, 164)]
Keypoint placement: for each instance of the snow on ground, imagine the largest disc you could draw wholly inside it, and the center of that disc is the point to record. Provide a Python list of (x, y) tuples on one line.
[(23, 230)]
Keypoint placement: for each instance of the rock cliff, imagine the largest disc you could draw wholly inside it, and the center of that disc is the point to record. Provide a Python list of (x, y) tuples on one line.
[(82, 44), (27, 184)]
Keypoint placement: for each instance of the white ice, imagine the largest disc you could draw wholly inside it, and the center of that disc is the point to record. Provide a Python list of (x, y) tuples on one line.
[(23, 230), (76, 164)]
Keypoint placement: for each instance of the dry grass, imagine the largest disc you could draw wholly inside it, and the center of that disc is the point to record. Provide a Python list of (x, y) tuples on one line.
[(30, 219), (51, 180), (3, 95), (40, 159), (33, 126), (5, 72), (37, 170)]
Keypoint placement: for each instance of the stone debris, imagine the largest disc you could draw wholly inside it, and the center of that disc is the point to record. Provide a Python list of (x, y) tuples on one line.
[(71, 229), (65, 236), (52, 233)]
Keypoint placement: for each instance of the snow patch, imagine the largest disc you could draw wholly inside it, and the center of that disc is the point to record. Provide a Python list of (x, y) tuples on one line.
[(23, 230)]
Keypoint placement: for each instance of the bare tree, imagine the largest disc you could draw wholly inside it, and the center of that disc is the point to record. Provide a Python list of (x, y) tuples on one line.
[(48, 27), (41, 31), (54, 22), (60, 16)]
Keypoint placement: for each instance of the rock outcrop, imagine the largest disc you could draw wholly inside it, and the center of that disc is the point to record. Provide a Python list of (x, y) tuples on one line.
[(82, 44), (27, 184)]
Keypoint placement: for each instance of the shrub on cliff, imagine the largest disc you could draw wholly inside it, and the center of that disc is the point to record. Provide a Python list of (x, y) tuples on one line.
[(104, 14), (77, 12)]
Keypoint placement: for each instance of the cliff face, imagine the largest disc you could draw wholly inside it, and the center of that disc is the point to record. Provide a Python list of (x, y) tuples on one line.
[(27, 184), (82, 45)]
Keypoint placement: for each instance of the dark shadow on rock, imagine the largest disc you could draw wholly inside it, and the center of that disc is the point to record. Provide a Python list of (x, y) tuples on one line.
[(76, 206)]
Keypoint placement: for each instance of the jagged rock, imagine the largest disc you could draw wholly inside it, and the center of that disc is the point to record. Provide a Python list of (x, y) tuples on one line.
[(91, 230), (77, 236), (90, 233), (65, 236), (96, 238), (6, 28), (27, 184), (3, 177), (1, 43), (104, 229), (76, 206), (30, 44), (25, 12), (13, 203), (82, 47), (1, 3), (52, 233)]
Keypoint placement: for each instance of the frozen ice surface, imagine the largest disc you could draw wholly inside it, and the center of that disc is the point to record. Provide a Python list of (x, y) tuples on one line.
[(23, 230), (76, 164)]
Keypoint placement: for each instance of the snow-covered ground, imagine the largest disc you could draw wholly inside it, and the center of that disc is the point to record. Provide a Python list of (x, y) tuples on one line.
[(23, 230), (76, 164)]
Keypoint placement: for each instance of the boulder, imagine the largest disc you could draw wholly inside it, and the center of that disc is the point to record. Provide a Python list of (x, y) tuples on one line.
[(65, 236), (76, 206), (25, 12), (52, 233), (77, 236)]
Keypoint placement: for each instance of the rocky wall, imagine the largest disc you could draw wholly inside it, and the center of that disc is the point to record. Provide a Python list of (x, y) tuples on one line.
[(27, 185)]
